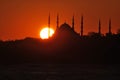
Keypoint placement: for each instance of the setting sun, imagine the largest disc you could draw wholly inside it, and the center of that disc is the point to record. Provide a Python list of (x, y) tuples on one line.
[(44, 33)]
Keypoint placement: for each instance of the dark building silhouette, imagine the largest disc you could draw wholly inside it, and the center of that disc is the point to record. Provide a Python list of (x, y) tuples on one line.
[(99, 33), (66, 32), (81, 33), (65, 46)]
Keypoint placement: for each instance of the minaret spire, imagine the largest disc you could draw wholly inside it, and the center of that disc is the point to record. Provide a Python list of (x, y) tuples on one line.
[(57, 21), (99, 27), (73, 23), (109, 26), (82, 25), (49, 25)]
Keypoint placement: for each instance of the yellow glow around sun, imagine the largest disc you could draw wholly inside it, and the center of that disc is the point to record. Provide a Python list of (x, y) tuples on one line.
[(44, 33)]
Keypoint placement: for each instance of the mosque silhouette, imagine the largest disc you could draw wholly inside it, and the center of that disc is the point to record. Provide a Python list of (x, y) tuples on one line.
[(67, 27), (65, 46)]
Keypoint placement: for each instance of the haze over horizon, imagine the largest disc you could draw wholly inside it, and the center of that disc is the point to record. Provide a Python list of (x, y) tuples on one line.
[(25, 18)]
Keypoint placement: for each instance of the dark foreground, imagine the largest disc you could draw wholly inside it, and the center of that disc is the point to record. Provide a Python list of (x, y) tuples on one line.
[(60, 72)]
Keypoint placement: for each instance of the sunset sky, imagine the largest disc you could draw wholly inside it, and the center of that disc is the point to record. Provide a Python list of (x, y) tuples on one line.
[(25, 18)]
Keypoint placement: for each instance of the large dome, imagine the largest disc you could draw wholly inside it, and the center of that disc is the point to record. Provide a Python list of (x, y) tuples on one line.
[(65, 31), (65, 26)]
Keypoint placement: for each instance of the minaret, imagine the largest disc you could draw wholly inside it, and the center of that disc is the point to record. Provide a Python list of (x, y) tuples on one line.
[(99, 27), (57, 21), (82, 25), (109, 26), (49, 25), (73, 23)]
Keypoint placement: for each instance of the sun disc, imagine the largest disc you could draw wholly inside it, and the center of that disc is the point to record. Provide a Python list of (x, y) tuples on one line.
[(45, 33)]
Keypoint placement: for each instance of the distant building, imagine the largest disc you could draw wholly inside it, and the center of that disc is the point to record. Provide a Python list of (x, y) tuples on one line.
[(81, 33), (66, 31)]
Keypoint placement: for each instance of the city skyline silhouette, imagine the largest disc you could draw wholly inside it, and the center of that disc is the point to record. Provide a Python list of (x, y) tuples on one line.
[(82, 29), (85, 44), (20, 19), (66, 53), (65, 46)]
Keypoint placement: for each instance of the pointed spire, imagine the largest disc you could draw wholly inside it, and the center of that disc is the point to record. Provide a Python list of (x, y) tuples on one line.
[(57, 21), (49, 25), (109, 26), (99, 27), (73, 23), (82, 25), (49, 20)]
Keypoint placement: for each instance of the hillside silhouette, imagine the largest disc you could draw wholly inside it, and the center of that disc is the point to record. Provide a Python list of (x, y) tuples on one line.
[(66, 46)]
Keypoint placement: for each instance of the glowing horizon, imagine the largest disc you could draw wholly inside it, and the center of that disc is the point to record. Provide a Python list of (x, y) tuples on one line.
[(23, 18)]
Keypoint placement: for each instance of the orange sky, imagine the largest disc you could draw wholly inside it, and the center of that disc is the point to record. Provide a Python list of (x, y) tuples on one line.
[(25, 18)]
